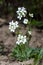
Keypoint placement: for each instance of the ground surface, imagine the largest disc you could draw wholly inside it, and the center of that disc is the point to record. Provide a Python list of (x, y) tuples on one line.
[(8, 41)]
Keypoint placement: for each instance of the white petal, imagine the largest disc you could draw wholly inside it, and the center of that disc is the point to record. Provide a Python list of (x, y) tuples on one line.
[(19, 17), (31, 15), (18, 42), (19, 8), (29, 32)]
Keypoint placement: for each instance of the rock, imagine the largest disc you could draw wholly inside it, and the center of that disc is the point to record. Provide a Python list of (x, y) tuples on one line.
[(37, 39), (4, 63), (31, 61), (17, 63), (3, 58), (23, 63), (1, 48), (10, 42), (2, 21), (6, 51), (10, 57), (4, 33)]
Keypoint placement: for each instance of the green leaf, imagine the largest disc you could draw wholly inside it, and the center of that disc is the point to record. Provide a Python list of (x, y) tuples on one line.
[(39, 57), (37, 23)]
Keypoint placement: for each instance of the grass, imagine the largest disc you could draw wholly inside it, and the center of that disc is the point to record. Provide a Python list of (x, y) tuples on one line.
[(28, 53)]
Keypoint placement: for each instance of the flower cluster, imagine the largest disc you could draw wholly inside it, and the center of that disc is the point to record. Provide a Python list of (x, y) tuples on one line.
[(21, 12), (21, 39), (13, 26)]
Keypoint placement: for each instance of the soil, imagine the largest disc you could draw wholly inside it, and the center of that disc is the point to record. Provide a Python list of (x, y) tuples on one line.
[(7, 40)]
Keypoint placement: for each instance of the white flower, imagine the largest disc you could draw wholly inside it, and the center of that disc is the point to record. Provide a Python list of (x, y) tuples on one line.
[(13, 26), (18, 42), (19, 17), (25, 21), (29, 32), (21, 12), (18, 13), (24, 40), (31, 15), (24, 9), (21, 39), (16, 24), (19, 8)]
